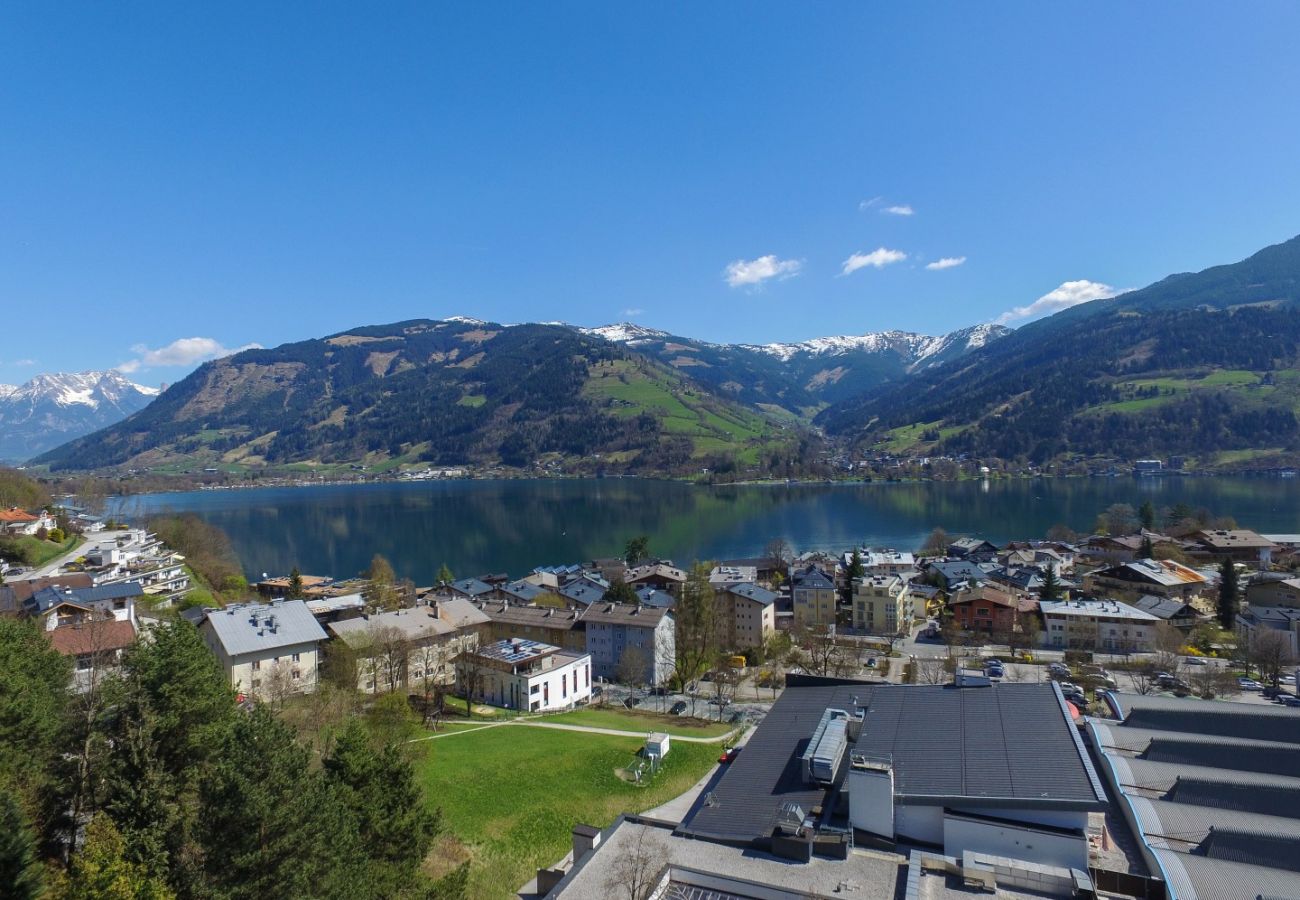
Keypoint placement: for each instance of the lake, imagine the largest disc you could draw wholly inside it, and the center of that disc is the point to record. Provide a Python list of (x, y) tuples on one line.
[(513, 525)]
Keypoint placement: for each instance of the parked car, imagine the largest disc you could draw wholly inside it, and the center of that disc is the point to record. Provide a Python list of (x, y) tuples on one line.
[(678, 708), (597, 691), (729, 754), (1058, 670), (1195, 661), (1290, 701), (871, 663), (994, 670), (719, 701), (1249, 684), (631, 702)]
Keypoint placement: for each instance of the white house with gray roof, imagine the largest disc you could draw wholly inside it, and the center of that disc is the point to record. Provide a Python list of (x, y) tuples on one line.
[(266, 648)]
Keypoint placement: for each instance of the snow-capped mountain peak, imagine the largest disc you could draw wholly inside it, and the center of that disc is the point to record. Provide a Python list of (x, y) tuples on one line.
[(625, 333), (59, 406)]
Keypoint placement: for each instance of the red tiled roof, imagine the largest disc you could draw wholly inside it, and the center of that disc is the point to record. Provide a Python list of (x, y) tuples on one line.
[(16, 515), (99, 636)]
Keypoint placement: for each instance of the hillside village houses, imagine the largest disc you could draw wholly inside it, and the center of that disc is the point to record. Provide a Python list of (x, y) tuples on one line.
[(268, 650), (527, 675), (15, 521)]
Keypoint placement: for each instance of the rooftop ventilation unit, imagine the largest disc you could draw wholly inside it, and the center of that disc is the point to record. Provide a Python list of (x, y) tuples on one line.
[(823, 761)]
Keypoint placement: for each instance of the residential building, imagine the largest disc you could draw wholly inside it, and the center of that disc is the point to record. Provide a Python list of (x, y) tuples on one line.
[(1273, 589), (1143, 577), (545, 624), (59, 606), (995, 611), (1237, 544), (1179, 613), (953, 574), (582, 592), (96, 646), (648, 596), (883, 605), (469, 589), (1109, 549), (266, 649), (15, 521), (15, 594), (404, 648), (885, 562), (815, 600), (661, 575), (521, 592), (1254, 620), (526, 675), (722, 577), (1209, 791), (976, 550), (1106, 625), (648, 634), (745, 615)]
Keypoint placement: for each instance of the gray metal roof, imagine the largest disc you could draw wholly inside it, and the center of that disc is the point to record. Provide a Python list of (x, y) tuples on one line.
[(471, 587), (1215, 751), (651, 596), (523, 590), (258, 627), (813, 579), (1241, 720), (47, 598), (752, 592), (1004, 745), (583, 592), (415, 624)]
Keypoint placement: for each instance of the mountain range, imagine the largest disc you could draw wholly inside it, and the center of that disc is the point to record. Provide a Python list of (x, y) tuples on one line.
[(1205, 365), (52, 409)]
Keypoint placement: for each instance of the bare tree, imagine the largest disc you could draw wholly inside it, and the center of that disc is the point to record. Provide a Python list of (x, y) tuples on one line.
[(632, 665), (1271, 652), (821, 653), (1168, 647), (696, 617), (931, 671), (637, 872), (470, 675), (392, 651), (279, 684), (1144, 678)]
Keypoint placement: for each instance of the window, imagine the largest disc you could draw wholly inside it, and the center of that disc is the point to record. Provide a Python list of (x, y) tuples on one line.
[(296, 657), (257, 665), (296, 675), (534, 689)]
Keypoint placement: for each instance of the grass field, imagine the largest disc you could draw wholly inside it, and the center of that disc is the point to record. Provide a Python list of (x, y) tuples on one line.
[(642, 721), (36, 552), (511, 794)]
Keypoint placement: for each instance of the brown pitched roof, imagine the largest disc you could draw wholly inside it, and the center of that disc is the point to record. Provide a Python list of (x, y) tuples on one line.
[(98, 636), (14, 514), (624, 614)]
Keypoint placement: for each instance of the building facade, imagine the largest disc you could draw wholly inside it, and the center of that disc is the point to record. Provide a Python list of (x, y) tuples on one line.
[(526, 675), (646, 635), (266, 649), (1098, 625)]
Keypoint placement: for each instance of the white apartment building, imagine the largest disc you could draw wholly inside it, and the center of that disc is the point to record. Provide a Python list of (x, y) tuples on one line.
[(522, 674), (883, 605), (267, 649), (1098, 625)]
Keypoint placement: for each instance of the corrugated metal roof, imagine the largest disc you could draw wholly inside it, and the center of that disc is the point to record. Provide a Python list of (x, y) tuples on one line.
[(1240, 720), (259, 627), (1215, 751)]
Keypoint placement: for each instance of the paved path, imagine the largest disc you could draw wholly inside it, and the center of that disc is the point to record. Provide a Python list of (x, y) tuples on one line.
[(689, 739), (619, 733), (53, 565)]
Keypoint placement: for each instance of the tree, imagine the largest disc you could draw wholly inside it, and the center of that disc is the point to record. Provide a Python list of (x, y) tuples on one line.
[(380, 592), (1228, 594), (632, 665), (696, 617), (1051, 589), (33, 702), (856, 569), (146, 803), (470, 674), (1063, 533), (637, 872), (1118, 519), (262, 815), (620, 591), (936, 544), (931, 671), (779, 549), (184, 686), (20, 872), (295, 584), (821, 653), (394, 824), (101, 870), (445, 575), (636, 549), (1271, 653), (1147, 515), (1147, 550)]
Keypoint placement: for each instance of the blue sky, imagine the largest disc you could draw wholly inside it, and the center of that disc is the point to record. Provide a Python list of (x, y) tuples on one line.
[(230, 174)]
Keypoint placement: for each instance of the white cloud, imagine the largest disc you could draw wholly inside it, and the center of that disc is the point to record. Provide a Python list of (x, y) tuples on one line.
[(180, 352), (878, 258), (23, 362), (901, 209), (633, 312), (1070, 293), (948, 262), (745, 272), (870, 204)]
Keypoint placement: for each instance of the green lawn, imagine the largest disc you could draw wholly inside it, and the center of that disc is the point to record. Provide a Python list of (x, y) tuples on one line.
[(35, 552), (511, 795), (643, 721)]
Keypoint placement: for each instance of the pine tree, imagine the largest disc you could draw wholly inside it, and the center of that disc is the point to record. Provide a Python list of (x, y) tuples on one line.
[(1228, 594), (445, 575), (856, 569), (1148, 550), (1147, 515), (20, 872), (270, 827), (295, 584), (1051, 588), (636, 549), (394, 824), (620, 591)]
